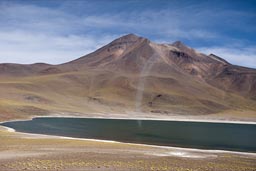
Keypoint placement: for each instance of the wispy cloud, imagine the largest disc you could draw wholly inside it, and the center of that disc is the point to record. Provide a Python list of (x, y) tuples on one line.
[(244, 56), (26, 47), (31, 32)]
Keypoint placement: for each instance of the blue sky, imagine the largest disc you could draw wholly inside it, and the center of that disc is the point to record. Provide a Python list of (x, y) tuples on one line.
[(57, 31)]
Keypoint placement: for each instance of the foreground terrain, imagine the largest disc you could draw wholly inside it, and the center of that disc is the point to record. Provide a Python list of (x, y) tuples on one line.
[(32, 152)]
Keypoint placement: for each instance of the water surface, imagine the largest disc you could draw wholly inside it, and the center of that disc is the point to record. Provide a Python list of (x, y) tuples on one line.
[(226, 136)]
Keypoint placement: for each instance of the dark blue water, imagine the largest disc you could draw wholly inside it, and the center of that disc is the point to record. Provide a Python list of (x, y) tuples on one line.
[(226, 136)]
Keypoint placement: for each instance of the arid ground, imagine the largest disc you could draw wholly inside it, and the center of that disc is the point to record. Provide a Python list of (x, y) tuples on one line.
[(19, 151)]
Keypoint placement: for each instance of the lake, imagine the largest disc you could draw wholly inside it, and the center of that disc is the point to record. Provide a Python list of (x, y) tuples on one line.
[(202, 135)]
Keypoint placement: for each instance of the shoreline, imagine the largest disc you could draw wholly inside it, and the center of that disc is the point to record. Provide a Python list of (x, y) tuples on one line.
[(158, 119), (118, 142), (175, 118), (137, 144)]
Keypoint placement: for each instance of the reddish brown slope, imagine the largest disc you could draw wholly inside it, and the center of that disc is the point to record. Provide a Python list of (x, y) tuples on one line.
[(174, 78)]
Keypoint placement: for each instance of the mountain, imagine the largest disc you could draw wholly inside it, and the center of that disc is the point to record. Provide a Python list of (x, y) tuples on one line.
[(130, 74)]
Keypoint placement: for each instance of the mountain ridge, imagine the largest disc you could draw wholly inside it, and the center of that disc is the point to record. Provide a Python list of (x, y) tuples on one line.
[(170, 78)]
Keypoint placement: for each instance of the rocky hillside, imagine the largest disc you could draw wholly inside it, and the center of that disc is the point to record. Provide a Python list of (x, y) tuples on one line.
[(130, 74)]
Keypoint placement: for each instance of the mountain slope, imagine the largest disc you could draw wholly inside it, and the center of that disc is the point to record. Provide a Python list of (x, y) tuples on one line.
[(130, 74)]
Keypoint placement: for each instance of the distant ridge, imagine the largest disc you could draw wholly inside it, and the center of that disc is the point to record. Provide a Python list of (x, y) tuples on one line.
[(180, 80)]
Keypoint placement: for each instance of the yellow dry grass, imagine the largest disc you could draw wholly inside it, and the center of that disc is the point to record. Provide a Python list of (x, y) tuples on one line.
[(26, 152), (96, 91)]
